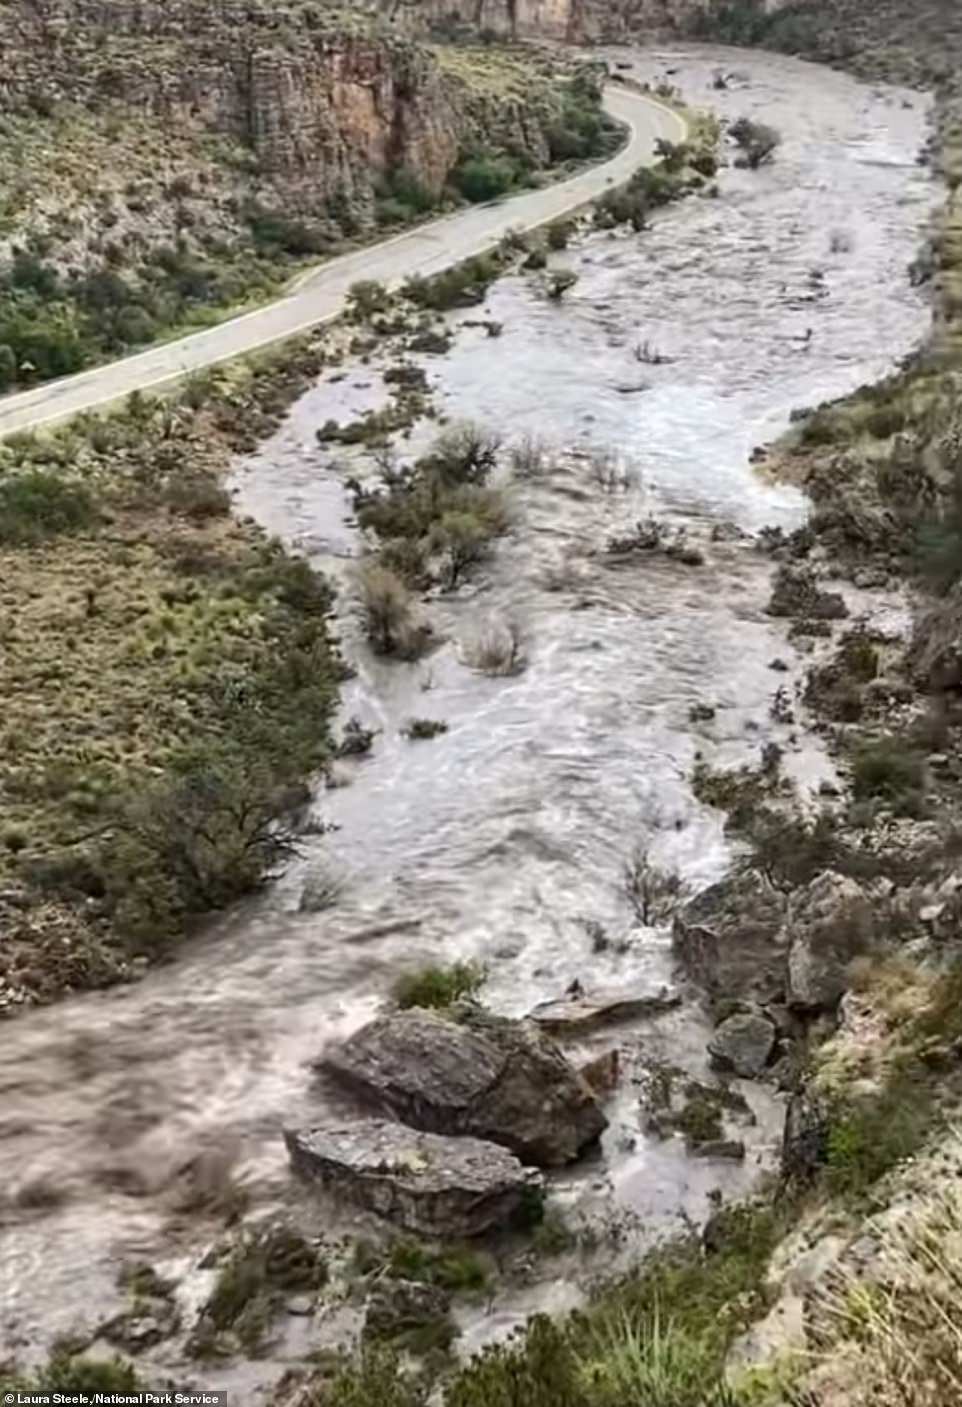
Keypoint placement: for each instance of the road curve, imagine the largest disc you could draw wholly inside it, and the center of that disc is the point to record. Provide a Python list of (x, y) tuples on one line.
[(319, 296)]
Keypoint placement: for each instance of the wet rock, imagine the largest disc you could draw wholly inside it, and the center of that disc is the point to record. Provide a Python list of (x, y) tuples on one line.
[(730, 938), (829, 923), (795, 593), (404, 1307), (601, 1074), (481, 1074), (582, 1010), (444, 1187), (731, 1149), (744, 1043), (805, 1137)]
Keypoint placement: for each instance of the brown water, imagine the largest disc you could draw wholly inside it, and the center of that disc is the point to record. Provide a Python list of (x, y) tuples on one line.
[(501, 838)]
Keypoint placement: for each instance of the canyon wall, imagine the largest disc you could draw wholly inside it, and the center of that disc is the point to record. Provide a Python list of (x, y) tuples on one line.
[(323, 103)]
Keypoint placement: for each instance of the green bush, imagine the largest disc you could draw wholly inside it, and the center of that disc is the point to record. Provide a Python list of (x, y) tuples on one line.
[(868, 1137), (484, 177), (37, 504), (439, 987), (889, 770), (273, 230)]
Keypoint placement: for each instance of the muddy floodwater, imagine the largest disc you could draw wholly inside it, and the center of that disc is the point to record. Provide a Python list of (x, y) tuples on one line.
[(507, 838)]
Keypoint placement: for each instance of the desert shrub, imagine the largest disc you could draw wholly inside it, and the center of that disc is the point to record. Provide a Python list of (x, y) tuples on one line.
[(273, 230), (439, 987), (497, 650), (192, 843), (38, 504), (559, 232), (67, 1372), (529, 457), (197, 495), (757, 142), (465, 453), (463, 539), (366, 298), (633, 202), (484, 176), (388, 608), (672, 155), (463, 286), (420, 729), (890, 770)]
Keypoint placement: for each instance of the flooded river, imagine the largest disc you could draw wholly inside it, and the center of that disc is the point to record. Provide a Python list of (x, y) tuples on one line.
[(507, 838)]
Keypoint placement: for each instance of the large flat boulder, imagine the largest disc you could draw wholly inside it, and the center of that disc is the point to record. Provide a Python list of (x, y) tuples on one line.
[(480, 1074), (731, 939), (443, 1187), (582, 1010)]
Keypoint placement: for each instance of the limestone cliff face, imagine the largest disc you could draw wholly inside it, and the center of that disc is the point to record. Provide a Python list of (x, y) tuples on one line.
[(324, 105)]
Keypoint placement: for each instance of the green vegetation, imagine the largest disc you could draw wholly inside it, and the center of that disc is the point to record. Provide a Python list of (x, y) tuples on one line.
[(250, 1288), (462, 286), (166, 675), (434, 519), (455, 1268), (68, 1373), (421, 729), (36, 504), (892, 770), (440, 987), (868, 1136), (757, 142)]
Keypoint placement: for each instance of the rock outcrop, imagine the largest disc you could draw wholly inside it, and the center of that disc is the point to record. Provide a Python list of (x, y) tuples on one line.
[(444, 1187), (482, 1076), (731, 939), (743, 1043), (829, 923)]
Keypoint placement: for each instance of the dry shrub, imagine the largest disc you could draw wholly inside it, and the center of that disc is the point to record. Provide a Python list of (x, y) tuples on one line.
[(497, 650)]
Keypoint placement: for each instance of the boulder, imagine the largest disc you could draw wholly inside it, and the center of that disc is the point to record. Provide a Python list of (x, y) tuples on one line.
[(480, 1074), (731, 940), (744, 1043), (805, 1136), (443, 1187), (796, 594), (829, 923), (582, 1010)]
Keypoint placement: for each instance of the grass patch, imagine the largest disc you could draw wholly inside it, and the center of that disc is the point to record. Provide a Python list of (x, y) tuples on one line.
[(166, 676), (439, 987)]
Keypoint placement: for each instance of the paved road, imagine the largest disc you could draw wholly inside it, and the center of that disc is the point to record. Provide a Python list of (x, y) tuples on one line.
[(320, 296)]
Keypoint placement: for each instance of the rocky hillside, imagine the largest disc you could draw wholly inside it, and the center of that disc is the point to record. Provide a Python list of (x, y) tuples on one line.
[(159, 159)]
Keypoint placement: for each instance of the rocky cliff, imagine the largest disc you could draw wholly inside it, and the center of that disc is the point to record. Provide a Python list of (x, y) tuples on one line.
[(322, 103)]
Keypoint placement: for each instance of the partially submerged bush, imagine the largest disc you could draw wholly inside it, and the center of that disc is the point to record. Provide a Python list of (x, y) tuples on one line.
[(439, 987), (388, 608), (757, 142)]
